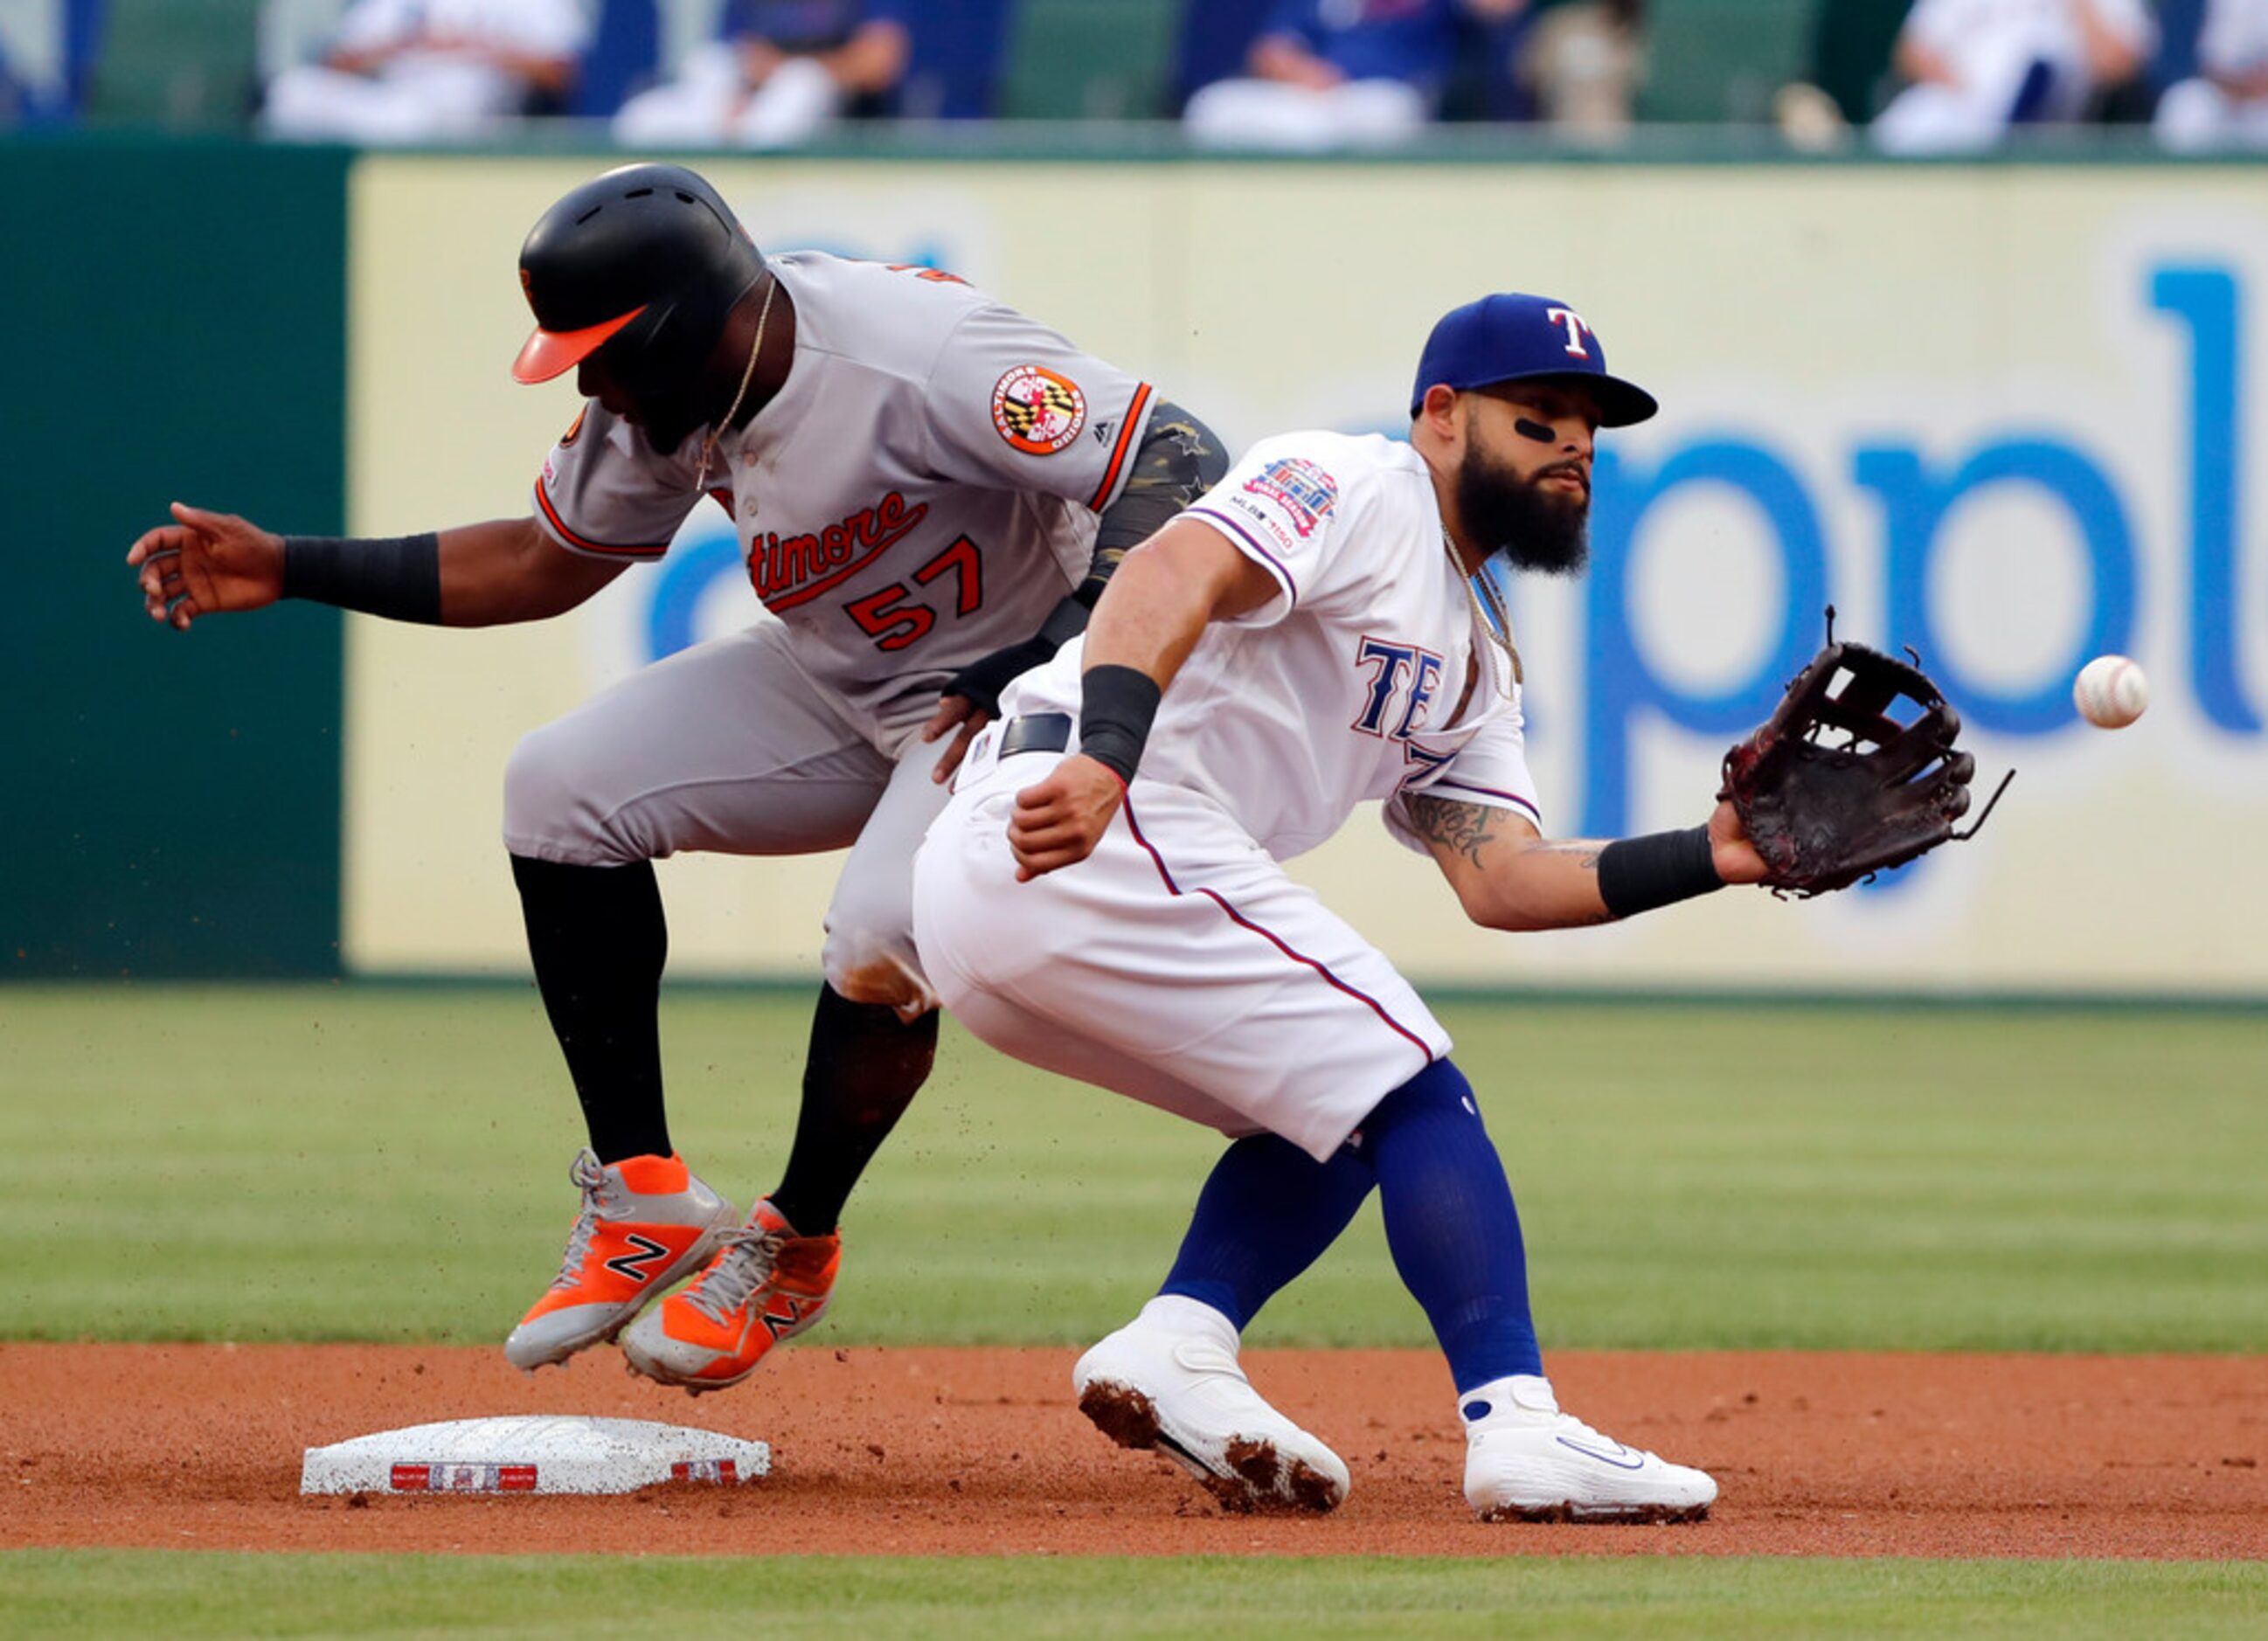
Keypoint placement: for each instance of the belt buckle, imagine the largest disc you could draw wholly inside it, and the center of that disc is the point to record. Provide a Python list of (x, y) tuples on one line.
[(1036, 732)]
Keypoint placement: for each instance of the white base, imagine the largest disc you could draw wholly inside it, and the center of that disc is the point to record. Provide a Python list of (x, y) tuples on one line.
[(531, 1455)]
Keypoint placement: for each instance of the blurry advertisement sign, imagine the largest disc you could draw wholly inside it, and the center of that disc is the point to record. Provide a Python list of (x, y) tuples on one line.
[(2000, 414)]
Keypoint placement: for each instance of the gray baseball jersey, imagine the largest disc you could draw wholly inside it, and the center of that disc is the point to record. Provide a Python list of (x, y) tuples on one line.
[(922, 491)]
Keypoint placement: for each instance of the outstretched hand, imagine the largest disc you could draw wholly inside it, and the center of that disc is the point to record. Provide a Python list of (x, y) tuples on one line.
[(205, 562), (1059, 821), (1735, 858)]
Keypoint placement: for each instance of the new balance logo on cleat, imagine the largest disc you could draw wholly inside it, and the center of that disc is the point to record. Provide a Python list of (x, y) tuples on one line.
[(779, 1326), (632, 1267), (659, 1222), (708, 1337)]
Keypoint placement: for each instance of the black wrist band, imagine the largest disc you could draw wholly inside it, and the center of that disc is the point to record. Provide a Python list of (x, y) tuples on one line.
[(1637, 874), (396, 577), (982, 679), (1117, 705)]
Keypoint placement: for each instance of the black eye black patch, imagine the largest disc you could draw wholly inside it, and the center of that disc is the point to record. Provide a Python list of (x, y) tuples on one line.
[(1536, 430)]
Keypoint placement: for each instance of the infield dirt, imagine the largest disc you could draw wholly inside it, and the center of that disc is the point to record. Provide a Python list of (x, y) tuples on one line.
[(981, 1451)]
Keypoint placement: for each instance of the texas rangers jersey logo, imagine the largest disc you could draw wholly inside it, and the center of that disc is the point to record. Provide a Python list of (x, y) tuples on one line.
[(1398, 695), (1300, 489), (1036, 410)]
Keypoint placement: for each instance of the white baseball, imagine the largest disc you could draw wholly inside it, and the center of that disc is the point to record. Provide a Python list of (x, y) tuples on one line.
[(2110, 692)]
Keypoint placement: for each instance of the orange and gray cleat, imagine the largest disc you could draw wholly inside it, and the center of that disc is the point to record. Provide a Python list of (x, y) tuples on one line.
[(645, 1222), (768, 1284)]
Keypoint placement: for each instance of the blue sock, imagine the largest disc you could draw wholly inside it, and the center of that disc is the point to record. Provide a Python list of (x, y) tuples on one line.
[(1451, 1224), (1266, 1212)]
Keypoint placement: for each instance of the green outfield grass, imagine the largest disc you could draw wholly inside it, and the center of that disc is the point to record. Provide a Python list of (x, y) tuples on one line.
[(389, 1163), (151, 1593)]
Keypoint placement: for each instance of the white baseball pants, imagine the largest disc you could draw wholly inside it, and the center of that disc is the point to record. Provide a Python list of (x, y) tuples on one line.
[(1178, 964)]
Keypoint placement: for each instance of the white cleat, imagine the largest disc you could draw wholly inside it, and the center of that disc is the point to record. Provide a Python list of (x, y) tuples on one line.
[(1525, 1460), (1170, 1381)]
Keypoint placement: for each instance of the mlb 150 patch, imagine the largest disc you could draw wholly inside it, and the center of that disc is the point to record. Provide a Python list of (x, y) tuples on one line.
[(1036, 410), (1300, 489)]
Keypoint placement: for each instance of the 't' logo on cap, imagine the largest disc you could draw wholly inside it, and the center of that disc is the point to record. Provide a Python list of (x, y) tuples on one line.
[(1578, 327)]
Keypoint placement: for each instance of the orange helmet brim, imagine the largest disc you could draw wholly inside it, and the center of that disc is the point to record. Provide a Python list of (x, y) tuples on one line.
[(551, 353)]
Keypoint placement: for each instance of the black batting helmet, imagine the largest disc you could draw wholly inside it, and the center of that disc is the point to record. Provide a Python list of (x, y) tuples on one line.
[(645, 262)]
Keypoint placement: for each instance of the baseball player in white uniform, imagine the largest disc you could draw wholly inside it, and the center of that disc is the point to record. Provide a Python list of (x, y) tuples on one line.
[(2225, 105), (421, 70), (930, 491), (1977, 66), (1103, 896)]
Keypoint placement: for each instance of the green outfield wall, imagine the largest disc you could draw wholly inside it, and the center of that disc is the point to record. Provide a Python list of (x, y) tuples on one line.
[(172, 326)]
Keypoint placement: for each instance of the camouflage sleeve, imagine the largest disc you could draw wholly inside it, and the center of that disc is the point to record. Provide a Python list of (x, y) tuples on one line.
[(1179, 460)]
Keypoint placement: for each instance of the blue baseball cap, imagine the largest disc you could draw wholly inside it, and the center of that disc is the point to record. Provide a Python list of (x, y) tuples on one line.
[(1509, 337)]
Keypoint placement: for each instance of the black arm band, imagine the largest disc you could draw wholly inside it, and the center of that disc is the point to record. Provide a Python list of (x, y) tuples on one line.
[(1117, 705), (396, 577), (1637, 874)]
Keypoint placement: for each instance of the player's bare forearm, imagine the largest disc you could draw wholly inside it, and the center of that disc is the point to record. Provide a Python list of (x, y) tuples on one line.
[(2112, 56), (1285, 58), (1149, 618), (1918, 65), (1168, 589), (871, 60), (508, 570), (2248, 85), (1507, 875)]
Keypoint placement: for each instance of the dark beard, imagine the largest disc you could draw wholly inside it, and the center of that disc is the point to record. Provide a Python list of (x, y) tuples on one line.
[(667, 423), (1534, 528)]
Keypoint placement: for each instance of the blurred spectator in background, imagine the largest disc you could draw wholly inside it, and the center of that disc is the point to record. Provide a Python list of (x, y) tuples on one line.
[(45, 46), (1974, 68), (2226, 105), (1332, 73), (1580, 63), (12, 98), (777, 74), (415, 71)]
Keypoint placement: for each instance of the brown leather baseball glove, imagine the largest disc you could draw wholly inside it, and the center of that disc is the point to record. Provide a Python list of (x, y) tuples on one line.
[(1855, 772)]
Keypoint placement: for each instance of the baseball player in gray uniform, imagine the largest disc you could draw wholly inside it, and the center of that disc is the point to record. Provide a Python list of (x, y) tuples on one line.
[(930, 491), (1103, 896)]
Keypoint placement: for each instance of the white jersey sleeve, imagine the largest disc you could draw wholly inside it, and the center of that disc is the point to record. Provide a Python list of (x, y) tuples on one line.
[(605, 493), (1012, 406), (1491, 769), (2235, 38), (1296, 506)]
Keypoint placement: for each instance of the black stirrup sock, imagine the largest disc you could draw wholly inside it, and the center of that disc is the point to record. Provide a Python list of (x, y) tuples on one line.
[(864, 1066), (598, 939)]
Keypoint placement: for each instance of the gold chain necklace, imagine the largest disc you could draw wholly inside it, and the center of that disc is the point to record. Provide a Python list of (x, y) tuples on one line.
[(1488, 609), (708, 444)]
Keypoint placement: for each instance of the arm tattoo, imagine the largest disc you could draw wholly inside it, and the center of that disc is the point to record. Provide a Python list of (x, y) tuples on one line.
[(1586, 854), (1465, 827)]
